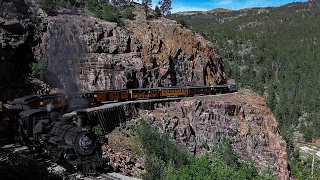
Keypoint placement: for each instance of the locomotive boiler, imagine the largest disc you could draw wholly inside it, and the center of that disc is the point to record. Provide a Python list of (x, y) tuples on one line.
[(64, 140)]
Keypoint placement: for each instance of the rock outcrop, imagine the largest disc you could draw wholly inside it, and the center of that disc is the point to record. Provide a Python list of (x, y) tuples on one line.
[(98, 55), (200, 122), (101, 55), (20, 31)]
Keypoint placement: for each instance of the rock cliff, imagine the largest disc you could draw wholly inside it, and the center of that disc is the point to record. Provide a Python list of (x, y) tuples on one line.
[(200, 122), (101, 55), (20, 32), (97, 55)]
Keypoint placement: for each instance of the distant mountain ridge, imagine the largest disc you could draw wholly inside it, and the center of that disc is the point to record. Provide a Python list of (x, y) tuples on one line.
[(219, 10), (204, 12)]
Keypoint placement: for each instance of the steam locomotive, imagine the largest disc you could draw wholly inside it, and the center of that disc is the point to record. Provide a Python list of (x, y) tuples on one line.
[(63, 139)]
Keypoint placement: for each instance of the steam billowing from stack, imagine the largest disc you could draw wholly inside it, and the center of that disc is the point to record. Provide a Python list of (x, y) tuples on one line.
[(49, 107), (76, 102)]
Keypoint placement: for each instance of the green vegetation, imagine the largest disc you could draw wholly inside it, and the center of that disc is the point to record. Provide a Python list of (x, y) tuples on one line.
[(157, 11), (275, 52), (220, 10), (104, 11), (127, 13), (165, 7), (180, 21), (48, 6), (146, 5), (38, 69), (167, 160), (302, 169)]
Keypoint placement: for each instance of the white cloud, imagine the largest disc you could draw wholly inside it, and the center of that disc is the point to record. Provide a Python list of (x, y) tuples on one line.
[(224, 2), (187, 8)]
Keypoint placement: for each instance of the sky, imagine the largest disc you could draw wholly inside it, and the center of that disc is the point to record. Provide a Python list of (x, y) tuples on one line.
[(205, 5)]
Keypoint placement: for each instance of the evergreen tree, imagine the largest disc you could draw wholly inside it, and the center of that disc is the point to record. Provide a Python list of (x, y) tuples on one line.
[(157, 11), (47, 6), (165, 7), (146, 4)]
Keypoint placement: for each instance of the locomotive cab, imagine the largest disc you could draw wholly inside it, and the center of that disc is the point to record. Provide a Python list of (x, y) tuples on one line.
[(28, 119)]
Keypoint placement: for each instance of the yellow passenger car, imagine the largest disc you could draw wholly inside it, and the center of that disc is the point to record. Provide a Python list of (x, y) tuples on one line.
[(144, 93), (174, 91)]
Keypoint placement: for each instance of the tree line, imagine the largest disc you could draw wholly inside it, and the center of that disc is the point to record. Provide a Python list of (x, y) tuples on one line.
[(106, 9), (275, 52)]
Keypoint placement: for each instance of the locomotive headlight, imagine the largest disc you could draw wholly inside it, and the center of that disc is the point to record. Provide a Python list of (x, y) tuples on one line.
[(95, 95), (41, 103)]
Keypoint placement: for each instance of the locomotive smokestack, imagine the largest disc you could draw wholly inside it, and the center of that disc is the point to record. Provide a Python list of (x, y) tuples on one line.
[(81, 118)]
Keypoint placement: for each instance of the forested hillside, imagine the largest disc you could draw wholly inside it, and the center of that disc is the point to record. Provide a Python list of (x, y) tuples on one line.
[(276, 53)]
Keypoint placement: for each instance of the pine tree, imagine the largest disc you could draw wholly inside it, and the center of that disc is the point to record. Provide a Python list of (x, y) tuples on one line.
[(146, 4), (165, 6), (157, 11)]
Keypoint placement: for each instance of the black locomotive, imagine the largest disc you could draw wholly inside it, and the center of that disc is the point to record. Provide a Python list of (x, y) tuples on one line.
[(63, 139)]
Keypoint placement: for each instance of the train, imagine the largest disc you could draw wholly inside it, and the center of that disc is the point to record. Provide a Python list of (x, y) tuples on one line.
[(41, 123), (66, 102)]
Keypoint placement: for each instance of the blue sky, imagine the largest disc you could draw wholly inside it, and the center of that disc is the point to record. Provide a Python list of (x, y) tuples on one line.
[(205, 5)]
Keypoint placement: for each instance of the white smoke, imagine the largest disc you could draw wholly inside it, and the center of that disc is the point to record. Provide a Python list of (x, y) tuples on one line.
[(49, 107)]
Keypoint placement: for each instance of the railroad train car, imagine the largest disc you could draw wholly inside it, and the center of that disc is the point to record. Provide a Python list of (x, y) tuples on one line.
[(144, 93), (72, 101), (200, 90), (57, 101), (174, 92), (220, 89)]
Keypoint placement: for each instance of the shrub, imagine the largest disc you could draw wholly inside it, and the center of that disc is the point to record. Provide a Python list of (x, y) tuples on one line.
[(167, 160), (211, 167), (225, 150), (161, 145), (38, 69), (127, 13), (179, 20), (47, 6), (62, 3), (104, 11), (154, 168)]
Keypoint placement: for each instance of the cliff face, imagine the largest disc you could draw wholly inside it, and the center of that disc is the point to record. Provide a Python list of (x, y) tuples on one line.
[(101, 55), (200, 122), (97, 55), (20, 31)]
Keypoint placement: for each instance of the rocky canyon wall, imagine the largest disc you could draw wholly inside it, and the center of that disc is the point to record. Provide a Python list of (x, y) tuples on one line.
[(98, 55), (200, 122), (20, 31), (101, 55)]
